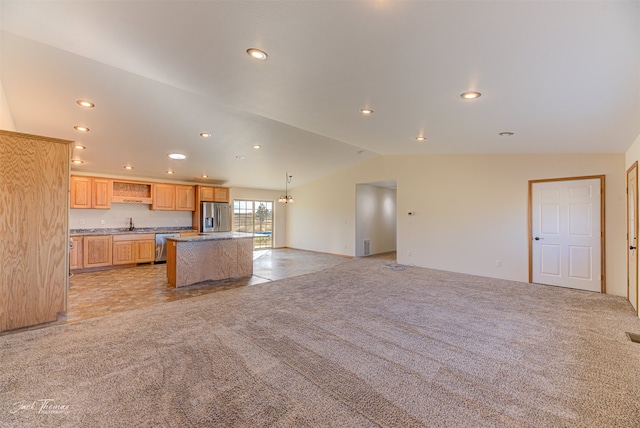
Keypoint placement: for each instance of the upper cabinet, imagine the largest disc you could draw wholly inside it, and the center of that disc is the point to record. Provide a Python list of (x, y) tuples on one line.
[(131, 192), (91, 192), (214, 194), (185, 198), (102, 189), (100, 193), (164, 197), (80, 192)]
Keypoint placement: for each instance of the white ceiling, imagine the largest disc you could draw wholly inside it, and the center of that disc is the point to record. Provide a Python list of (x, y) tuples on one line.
[(564, 76)]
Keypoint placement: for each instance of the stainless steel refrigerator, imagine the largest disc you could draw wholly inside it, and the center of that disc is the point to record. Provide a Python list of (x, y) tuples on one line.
[(215, 217)]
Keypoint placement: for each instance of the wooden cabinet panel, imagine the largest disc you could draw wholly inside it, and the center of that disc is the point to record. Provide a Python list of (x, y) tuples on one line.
[(164, 197), (34, 214), (207, 194), (80, 192), (134, 248), (97, 251), (185, 198), (145, 251), (75, 253), (132, 192), (102, 190), (214, 194), (90, 192), (123, 252), (221, 194)]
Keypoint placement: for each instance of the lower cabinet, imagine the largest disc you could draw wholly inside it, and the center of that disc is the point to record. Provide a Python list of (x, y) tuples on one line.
[(97, 251), (75, 253), (134, 248), (146, 250), (123, 252)]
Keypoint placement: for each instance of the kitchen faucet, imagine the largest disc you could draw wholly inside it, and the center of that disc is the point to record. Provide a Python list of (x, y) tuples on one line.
[(131, 227)]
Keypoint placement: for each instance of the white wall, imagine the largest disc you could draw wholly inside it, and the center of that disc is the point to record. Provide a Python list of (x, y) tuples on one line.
[(470, 210), (6, 119), (118, 217), (375, 219), (279, 210), (633, 153)]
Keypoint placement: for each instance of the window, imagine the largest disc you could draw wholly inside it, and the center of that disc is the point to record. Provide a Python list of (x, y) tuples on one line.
[(255, 217)]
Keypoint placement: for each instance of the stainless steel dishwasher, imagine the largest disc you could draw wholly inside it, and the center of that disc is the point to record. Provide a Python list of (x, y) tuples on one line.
[(161, 246)]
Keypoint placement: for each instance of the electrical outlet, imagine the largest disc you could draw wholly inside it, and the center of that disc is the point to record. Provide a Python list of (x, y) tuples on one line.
[(498, 263), (176, 221), (103, 221), (81, 222), (409, 253)]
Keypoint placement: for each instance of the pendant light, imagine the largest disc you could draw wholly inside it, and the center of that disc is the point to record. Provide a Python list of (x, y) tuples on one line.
[(286, 198)]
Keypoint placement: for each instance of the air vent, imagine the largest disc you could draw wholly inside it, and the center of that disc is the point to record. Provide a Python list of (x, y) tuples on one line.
[(367, 247)]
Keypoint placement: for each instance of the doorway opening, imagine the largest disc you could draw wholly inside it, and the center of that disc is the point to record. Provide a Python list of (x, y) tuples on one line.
[(376, 218), (632, 236), (254, 217)]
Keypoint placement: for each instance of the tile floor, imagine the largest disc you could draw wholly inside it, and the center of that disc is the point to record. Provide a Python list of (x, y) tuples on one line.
[(95, 294)]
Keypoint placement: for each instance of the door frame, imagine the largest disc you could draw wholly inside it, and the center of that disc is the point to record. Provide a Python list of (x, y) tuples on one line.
[(635, 199), (603, 283)]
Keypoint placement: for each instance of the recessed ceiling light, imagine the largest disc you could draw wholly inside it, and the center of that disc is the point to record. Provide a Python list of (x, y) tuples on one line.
[(128, 167), (506, 134), (205, 134), (421, 138), (81, 128), (257, 146), (239, 157), (204, 176), (170, 172), (257, 54), (76, 161), (366, 111), (177, 156), (470, 95), (85, 103), (79, 147)]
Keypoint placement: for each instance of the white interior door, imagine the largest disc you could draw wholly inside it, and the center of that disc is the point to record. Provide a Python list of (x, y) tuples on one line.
[(566, 235), (632, 236)]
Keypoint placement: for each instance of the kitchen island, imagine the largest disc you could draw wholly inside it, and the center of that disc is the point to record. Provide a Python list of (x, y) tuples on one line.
[(209, 256)]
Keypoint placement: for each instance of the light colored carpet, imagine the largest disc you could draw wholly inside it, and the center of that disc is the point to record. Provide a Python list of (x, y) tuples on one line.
[(359, 344)]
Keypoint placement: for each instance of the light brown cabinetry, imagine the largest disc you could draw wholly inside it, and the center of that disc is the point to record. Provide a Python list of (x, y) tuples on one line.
[(134, 248), (97, 251), (34, 216), (146, 250), (220, 194), (123, 252), (185, 198), (76, 254), (102, 193), (91, 192), (164, 197), (80, 192), (131, 192), (214, 194)]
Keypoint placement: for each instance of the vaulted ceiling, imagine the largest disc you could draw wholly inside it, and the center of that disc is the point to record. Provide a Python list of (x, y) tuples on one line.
[(562, 76)]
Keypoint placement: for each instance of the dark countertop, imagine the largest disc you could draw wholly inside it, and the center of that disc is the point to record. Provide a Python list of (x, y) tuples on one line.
[(125, 230), (211, 237)]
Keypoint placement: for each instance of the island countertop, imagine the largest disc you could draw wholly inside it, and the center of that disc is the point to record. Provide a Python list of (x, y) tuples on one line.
[(209, 257), (215, 236)]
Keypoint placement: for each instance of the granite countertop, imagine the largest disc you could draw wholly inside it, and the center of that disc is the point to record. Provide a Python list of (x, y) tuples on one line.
[(211, 236), (125, 230)]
